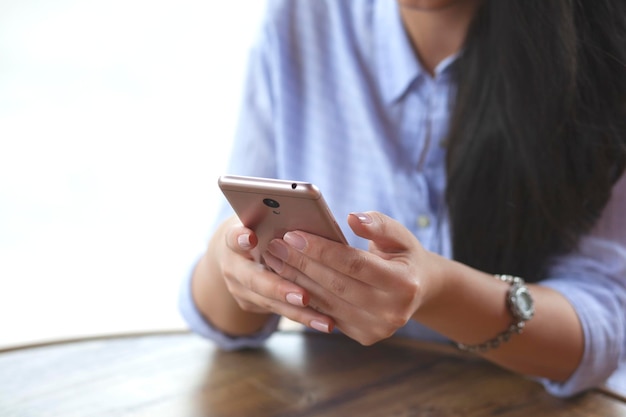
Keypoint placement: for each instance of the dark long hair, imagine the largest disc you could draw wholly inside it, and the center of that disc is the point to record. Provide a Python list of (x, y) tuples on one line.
[(538, 135)]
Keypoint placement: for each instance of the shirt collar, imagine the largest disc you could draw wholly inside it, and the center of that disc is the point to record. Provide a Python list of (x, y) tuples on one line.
[(396, 63)]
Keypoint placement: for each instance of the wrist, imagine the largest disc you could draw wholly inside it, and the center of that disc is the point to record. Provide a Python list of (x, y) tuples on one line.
[(521, 306), (464, 304), (440, 280)]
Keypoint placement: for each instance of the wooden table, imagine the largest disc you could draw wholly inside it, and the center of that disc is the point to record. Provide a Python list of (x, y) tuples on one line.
[(297, 374)]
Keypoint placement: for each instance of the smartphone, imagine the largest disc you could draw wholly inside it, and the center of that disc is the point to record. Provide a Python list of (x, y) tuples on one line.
[(273, 207)]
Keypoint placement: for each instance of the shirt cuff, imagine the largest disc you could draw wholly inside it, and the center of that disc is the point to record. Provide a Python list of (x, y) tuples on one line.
[(600, 356), (199, 325)]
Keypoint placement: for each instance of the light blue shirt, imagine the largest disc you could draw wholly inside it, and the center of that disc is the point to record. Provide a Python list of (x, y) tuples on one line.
[(336, 97)]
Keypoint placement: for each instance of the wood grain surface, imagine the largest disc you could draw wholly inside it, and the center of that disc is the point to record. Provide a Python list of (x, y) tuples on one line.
[(296, 374)]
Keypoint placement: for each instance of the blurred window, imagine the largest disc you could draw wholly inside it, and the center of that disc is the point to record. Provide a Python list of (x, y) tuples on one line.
[(115, 119)]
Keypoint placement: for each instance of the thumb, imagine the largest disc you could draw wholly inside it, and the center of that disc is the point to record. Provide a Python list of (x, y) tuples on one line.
[(384, 233), (238, 237)]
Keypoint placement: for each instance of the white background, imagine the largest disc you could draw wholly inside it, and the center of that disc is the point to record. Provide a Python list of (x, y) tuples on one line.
[(115, 121)]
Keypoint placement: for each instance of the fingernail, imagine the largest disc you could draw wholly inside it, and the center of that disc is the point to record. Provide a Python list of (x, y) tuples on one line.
[(363, 217), (294, 240), (278, 249), (244, 241), (295, 299), (320, 326)]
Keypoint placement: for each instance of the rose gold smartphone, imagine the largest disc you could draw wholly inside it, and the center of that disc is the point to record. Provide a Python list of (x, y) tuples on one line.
[(273, 207)]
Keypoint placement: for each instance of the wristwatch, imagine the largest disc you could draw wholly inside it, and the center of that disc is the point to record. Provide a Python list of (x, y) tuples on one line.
[(519, 300), (522, 308)]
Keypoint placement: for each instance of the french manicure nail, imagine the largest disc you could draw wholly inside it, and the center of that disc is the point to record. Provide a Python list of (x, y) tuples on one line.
[(295, 299), (244, 241), (320, 326), (294, 240)]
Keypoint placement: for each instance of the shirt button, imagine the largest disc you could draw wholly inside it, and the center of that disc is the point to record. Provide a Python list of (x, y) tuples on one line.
[(423, 221)]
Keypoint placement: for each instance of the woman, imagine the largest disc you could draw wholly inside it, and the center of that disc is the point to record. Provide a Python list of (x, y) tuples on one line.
[(460, 139)]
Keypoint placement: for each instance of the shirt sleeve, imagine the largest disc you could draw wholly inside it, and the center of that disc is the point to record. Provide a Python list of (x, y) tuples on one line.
[(199, 325), (593, 279)]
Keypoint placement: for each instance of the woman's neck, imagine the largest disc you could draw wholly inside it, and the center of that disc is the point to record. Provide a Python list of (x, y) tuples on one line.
[(437, 32)]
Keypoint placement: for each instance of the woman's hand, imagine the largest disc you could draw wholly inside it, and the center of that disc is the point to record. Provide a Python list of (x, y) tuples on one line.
[(369, 294), (256, 289)]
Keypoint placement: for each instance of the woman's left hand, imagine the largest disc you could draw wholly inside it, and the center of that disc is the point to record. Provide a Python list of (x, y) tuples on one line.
[(370, 294)]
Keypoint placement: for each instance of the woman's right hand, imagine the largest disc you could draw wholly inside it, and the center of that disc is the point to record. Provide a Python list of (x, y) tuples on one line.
[(230, 266)]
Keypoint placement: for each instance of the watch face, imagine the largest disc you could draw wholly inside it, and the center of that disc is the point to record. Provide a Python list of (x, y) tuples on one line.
[(522, 303)]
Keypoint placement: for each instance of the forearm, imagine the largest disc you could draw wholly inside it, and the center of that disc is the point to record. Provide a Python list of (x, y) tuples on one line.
[(469, 306), (211, 294)]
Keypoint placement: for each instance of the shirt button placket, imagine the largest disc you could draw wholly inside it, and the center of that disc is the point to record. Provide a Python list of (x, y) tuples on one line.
[(423, 221)]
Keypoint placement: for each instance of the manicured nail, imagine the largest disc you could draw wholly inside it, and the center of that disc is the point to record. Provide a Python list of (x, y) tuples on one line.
[(363, 217), (320, 326), (244, 241), (278, 249), (295, 299), (294, 240)]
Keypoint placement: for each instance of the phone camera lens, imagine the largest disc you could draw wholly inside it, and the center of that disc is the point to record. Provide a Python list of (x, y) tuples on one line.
[(293, 186), (271, 203)]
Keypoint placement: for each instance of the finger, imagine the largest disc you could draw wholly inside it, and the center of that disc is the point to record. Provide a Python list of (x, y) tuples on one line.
[(330, 291), (386, 235), (241, 239), (363, 313), (316, 256), (249, 277), (319, 298), (259, 290), (307, 316)]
